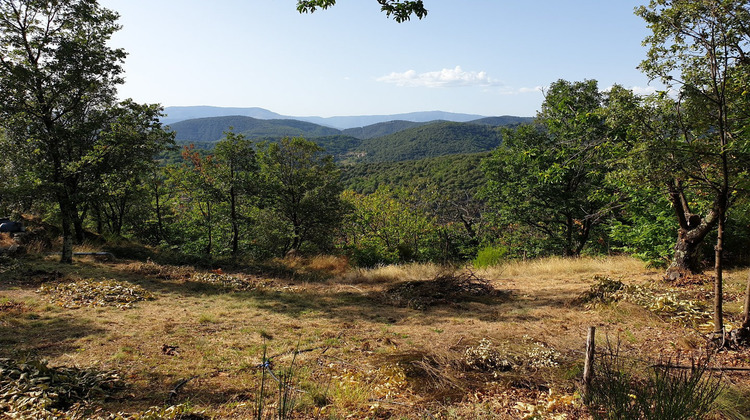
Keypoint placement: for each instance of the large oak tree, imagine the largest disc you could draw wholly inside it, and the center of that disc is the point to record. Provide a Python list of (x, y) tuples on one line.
[(58, 80)]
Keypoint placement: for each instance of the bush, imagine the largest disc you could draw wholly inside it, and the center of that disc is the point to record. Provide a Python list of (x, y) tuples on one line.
[(490, 256)]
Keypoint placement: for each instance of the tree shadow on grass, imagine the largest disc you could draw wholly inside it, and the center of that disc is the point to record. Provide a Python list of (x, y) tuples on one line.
[(44, 335)]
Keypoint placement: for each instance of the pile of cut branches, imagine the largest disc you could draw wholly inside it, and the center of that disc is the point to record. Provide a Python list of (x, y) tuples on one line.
[(29, 388), (90, 292), (445, 288), (229, 282)]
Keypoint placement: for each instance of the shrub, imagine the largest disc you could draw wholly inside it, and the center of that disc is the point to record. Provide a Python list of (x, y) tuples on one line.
[(490, 256)]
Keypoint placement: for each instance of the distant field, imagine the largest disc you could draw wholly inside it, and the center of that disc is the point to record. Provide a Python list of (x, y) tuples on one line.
[(412, 341)]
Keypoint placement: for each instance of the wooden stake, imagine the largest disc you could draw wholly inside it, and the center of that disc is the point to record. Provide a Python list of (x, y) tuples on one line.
[(588, 366)]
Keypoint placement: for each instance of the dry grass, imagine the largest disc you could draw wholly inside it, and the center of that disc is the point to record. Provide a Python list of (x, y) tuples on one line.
[(360, 356), (5, 240), (558, 266)]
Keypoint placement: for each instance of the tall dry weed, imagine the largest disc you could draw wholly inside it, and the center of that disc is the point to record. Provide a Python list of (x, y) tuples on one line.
[(394, 273), (559, 266)]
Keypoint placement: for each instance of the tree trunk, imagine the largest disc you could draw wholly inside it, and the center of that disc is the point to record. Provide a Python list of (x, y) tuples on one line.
[(743, 333), (719, 283), (746, 311), (78, 225), (67, 228), (209, 224), (686, 258), (159, 224), (235, 225), (693, 229)]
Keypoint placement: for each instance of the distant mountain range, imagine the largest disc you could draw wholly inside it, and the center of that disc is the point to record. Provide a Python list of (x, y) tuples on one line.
[(391, 141), (176, 114)]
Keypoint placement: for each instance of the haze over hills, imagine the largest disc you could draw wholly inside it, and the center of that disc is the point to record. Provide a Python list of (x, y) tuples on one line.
[(174, 114)]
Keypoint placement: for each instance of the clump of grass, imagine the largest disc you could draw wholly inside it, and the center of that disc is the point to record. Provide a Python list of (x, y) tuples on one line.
[(11, 268), (286, 391), (490, 256), (206, 319), (90, 292), (331, 264), (663, 391)]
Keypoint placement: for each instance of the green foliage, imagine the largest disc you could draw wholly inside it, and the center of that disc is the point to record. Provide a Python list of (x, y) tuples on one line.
[(384, 228), (644, 226), (697, 49), (302, 187), (490, 256), (451, 174), (547, 180), (58, 80), (401, 10), (431, 140)]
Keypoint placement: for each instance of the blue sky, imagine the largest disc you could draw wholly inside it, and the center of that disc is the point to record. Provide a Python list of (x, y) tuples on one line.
[(487, 57)]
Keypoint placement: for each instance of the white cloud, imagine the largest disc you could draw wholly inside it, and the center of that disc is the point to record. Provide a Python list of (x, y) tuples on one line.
[(648, 90), (518, 91), (455, 77), (531, 90)]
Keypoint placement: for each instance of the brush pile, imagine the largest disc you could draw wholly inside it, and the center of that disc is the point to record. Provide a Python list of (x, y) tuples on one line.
[(31, 389), (90, 292), (228, 282), (445, 288)]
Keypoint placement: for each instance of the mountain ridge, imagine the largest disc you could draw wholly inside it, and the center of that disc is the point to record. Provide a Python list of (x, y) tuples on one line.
[(175, 114)]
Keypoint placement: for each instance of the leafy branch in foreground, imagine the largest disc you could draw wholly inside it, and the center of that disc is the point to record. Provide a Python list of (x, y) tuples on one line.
[(401, 10)]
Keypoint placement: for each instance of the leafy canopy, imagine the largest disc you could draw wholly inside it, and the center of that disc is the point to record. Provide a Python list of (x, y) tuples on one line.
[(401, 10)]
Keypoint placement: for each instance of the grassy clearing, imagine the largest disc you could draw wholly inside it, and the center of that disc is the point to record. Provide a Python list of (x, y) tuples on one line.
[(198, 346)]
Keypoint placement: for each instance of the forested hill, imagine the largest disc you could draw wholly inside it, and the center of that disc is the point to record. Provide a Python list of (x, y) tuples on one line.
[(431, 140), (453, 175), (383, 142), (381, 129), (212, 129)]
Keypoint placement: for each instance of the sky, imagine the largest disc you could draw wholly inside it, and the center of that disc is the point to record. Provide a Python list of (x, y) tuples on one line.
[(485, 57)]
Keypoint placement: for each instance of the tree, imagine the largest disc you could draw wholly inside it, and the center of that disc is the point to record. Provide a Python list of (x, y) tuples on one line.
[(239, 176), (384, 228), (198, 179), (133, 136), (401, 10), (547, 178), (57, 83), (302, 187), (700, 49)]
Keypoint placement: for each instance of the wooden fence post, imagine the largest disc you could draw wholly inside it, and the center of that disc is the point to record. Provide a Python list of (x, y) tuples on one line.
[(588, 365)]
